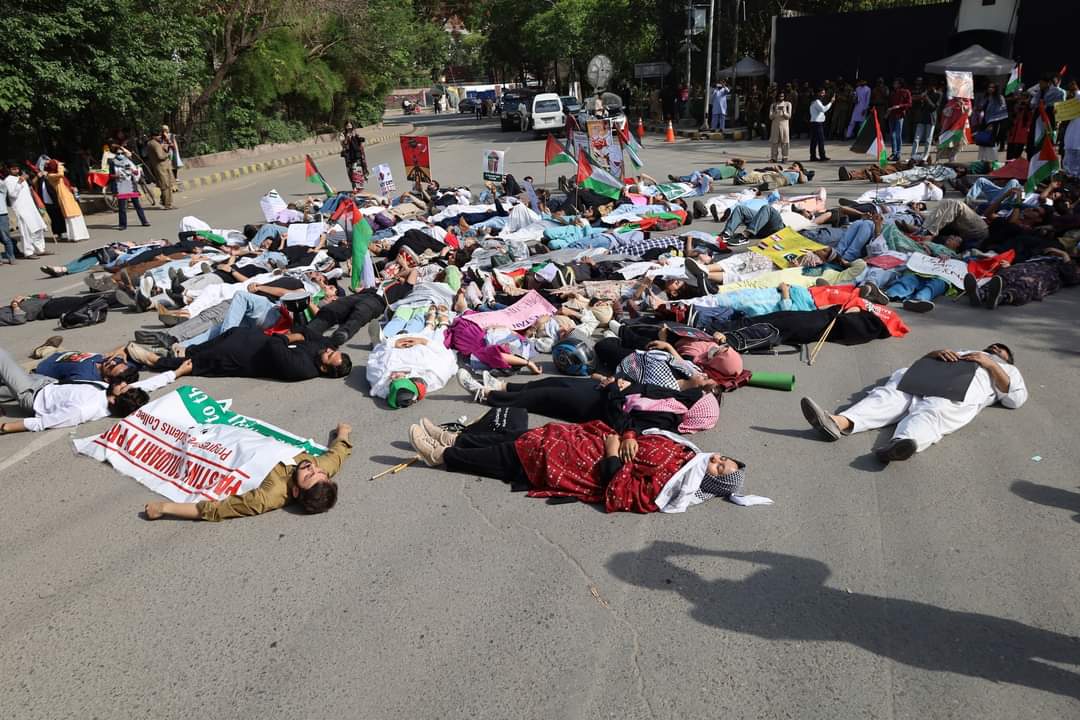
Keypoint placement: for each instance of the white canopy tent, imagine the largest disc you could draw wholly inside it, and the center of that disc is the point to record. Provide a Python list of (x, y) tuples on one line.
[(976, 60), (747, 67)]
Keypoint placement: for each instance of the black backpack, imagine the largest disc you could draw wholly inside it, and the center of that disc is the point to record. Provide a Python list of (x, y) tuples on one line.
[(92, 312), (755, 338)]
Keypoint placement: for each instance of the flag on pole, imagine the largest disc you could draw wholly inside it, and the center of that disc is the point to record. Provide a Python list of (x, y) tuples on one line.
[(1014, 84), (598, 180), (312, 175), (1045, 163), (877, 148), (631, 164), (359, 232), (555, 153)]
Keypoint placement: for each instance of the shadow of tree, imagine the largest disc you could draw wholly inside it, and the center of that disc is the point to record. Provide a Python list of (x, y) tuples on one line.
[(787, 599), (1049, 496)]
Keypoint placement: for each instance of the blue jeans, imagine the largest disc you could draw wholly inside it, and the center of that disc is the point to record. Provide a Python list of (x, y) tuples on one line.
[(857, 235), (879, 276), (249, 310), (986, 191), (924, 136), (761, 222), (121, 208), (896, 131), (409, 320), (915, 287), (5, 238)]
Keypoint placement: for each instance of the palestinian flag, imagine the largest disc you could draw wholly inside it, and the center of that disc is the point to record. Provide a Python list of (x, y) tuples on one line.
[(955, 129), (554, 153), (1045, 163), (598, 180), (877, 148), (359, 232), (1014, 84), (312, 175), (632, 163)]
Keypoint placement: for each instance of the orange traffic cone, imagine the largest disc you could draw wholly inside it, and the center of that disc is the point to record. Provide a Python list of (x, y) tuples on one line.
[(670, 133), (640, 129)]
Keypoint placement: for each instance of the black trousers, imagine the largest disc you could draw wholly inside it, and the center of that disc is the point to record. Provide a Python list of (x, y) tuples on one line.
[(349, 313), (562, 398), (817, 140), (487, 454)]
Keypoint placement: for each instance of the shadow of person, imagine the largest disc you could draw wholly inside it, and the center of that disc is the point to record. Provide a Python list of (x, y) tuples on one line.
[(1046, 495), (787, 599)]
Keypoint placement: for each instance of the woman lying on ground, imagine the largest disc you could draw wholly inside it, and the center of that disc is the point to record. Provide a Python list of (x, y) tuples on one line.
[(588, 462)]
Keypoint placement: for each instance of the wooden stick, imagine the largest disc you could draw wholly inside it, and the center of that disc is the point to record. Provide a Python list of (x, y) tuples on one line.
[(394, 470), (821, 340)]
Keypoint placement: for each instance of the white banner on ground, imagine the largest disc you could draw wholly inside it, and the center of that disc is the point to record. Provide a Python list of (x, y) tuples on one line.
[(386, 179), (305, 234), (949, 270), (189, 447)]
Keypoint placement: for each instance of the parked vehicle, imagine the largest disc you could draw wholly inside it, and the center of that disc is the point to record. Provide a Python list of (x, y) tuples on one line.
[(612, 109), (570, 104), (544, 114), (468, 105), (509, 114)]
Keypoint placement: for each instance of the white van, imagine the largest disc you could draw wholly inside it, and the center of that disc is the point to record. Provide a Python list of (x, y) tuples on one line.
[(544, 114)]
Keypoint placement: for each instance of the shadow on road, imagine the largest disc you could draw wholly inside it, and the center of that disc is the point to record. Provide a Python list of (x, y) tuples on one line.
[(787, 599), (1049, 496)]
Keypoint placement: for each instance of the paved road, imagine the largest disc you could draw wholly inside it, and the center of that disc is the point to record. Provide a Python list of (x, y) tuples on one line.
[(944, 587)]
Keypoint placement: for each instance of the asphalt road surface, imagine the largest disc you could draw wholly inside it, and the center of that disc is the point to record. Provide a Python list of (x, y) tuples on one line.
[(942, 587)]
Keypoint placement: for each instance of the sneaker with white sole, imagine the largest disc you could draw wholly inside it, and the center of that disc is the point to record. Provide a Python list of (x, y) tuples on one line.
[(438, 433), (468, 383), (430, 450), (492, 383)]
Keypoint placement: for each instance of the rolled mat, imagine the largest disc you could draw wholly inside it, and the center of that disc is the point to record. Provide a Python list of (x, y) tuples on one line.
[(772, 380)]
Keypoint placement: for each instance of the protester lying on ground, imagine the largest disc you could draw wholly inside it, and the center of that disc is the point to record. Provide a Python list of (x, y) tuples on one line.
[(622, 404), (72, 366), (708, 352), (405, 368), (249, 352), (941, 397), (23, 309), (304, 481), (1024, 282), (51, 403), (771, 177), (588, 462)]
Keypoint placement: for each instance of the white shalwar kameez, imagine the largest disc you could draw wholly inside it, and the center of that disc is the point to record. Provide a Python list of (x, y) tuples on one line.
[(31, 226), (928, 419)]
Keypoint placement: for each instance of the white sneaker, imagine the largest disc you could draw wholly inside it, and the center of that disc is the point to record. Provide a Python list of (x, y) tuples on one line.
[(468, 383), (493, 383)]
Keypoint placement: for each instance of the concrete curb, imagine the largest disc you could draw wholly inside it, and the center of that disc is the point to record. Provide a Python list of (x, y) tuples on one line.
[(235, 173)]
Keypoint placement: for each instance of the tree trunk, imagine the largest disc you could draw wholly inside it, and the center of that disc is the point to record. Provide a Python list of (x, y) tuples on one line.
[(199, 104)]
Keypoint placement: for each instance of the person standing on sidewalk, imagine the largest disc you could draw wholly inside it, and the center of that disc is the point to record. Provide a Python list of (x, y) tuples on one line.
[(160, 158), (718, 105), (925, 111), (20, 197), (5, 223), (74, 223), (899, 104), (780, 116), (818, 112), (123, 179)]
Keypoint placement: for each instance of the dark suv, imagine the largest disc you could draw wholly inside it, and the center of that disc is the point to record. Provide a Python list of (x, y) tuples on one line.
[(509, 118)]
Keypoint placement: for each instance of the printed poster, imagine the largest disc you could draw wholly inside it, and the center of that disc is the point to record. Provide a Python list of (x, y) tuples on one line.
[(386, 179), (414, 154), (494, 165), (959, 84), (785, 248)]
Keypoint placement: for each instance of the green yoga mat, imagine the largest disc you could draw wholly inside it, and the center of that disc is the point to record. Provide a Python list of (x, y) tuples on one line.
[(772, 380)]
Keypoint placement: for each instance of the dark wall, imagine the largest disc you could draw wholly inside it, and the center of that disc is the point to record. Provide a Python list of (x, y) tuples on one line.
[(887, 43), (1043, 37)]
